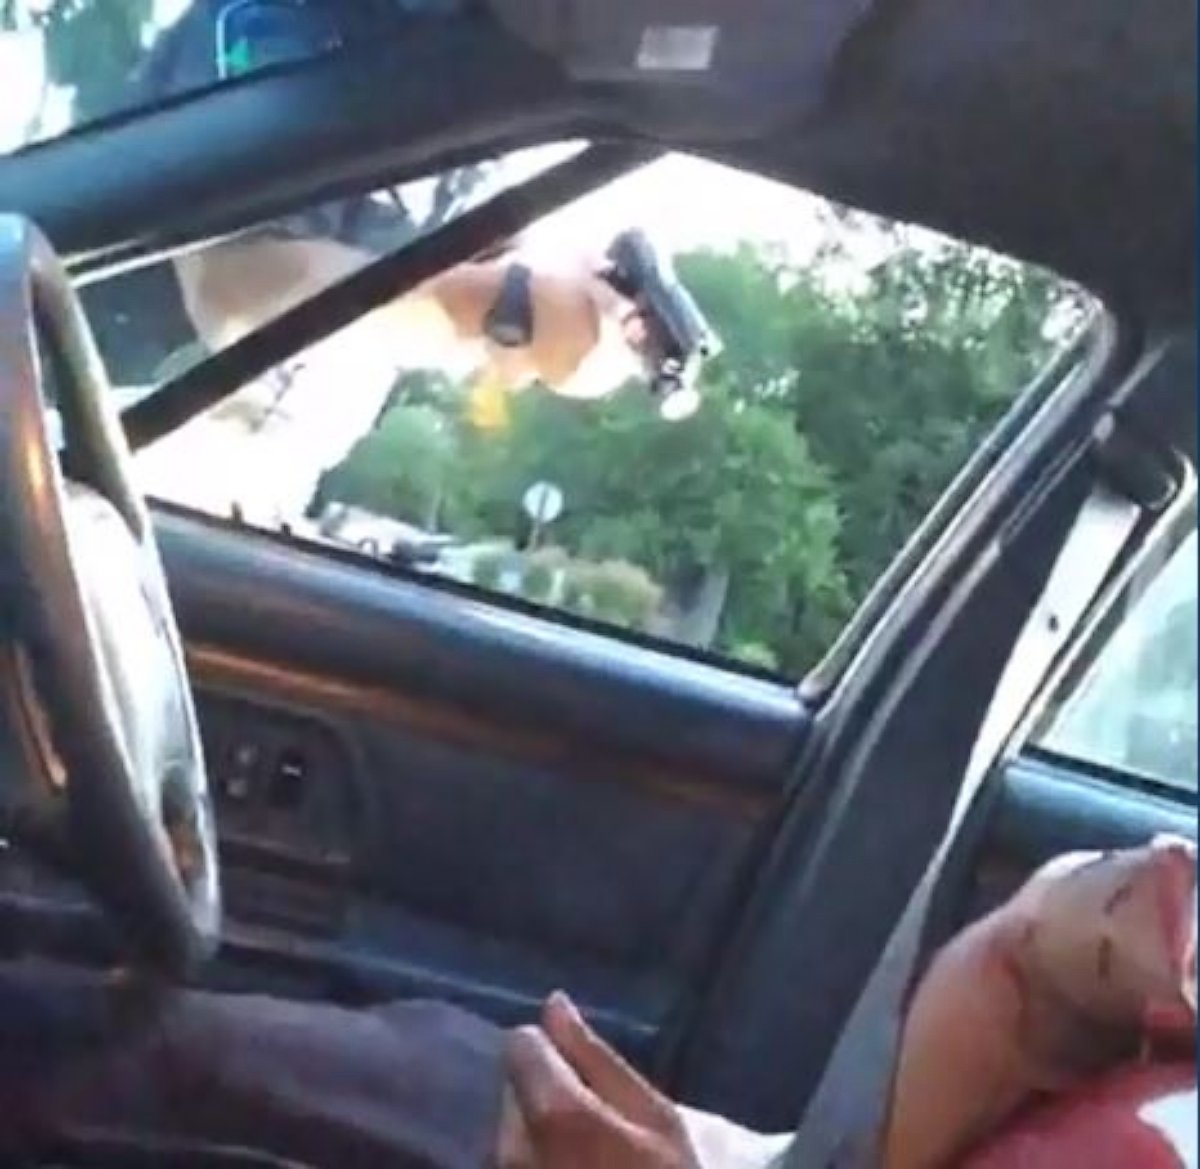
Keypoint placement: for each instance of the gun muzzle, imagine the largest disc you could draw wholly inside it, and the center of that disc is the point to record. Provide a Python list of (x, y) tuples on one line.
[(678, 337)]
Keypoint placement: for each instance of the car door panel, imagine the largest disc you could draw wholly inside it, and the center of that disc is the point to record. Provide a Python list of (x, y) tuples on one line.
[(542, 805), (1106, 758), (340, 616), (490, 805), (619, 875), (1045, 805), (548, 805)]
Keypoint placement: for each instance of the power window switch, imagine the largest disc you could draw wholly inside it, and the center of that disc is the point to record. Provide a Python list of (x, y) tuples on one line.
[(288, 779), (237, 779)]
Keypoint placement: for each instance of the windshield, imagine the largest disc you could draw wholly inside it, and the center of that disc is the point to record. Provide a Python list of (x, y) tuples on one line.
[(67, 63)]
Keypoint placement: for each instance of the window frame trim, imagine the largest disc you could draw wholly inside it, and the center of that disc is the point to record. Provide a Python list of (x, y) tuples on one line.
[(736, 671), (1065, 381), (1065, 384), (1177, 521), (502, 215)]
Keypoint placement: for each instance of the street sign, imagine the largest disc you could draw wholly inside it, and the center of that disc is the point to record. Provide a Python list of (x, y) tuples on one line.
[(543, 503)]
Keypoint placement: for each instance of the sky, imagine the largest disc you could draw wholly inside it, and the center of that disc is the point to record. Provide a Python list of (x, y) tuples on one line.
[(689, 203)]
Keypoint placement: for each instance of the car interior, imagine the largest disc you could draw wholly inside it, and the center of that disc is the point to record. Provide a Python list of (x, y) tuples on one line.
[(420, 792)]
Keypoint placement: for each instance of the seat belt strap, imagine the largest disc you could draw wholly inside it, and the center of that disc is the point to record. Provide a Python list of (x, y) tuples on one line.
[(845, 1124)]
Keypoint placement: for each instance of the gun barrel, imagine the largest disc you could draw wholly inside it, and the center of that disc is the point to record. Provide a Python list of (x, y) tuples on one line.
[(641, 273)]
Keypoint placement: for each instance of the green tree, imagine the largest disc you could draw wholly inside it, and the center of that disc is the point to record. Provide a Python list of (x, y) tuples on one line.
[(917, 369), (732, 490), (835, 416), (90, 47), (399, 469), (892, 383)]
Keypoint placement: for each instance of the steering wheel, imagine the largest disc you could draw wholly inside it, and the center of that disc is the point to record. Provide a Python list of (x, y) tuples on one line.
[(98, 692)]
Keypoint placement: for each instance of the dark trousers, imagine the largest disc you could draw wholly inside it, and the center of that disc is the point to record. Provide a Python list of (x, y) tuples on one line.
[(411, 1085)]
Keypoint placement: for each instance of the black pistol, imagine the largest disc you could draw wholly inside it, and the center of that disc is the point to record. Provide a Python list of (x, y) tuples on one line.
[(678, 337)]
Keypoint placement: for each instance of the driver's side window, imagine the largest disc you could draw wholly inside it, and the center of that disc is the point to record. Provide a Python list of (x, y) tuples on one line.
[(516, 426)]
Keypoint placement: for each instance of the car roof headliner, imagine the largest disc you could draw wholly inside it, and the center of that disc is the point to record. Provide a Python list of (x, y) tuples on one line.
[(1061, 133)]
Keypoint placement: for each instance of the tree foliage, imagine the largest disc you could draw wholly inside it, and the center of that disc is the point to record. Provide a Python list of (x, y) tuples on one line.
[(90, 46), (835, 416), (401, 468)]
